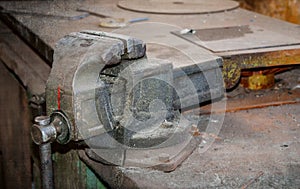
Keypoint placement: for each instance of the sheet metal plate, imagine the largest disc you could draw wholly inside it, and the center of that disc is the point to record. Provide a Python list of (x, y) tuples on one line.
[(178, 6), (234, 38)]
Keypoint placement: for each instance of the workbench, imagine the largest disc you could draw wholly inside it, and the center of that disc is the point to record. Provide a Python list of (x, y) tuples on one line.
[(249, 150)]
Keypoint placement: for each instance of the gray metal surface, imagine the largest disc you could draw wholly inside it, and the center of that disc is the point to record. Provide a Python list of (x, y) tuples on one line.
[(47, 14), (178, 7), (238, 38)]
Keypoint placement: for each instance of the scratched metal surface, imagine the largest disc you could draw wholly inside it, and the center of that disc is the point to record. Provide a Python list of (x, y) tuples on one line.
[(50, 30), (234, 38)]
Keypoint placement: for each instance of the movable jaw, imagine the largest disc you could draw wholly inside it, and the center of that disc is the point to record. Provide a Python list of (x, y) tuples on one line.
[(79, 59), (125, 106)]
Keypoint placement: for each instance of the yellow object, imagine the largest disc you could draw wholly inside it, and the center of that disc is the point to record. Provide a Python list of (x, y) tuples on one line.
[(258, 81), (113, 23)]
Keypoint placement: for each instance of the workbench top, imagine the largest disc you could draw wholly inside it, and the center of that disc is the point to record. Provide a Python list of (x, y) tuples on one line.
[(248, 152), (44, 31)]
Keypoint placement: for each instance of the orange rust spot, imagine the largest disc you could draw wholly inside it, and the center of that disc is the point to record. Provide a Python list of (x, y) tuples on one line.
[(234, 63), (288, 10)]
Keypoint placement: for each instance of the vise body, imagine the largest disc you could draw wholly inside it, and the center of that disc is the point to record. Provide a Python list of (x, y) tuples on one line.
[(127, 107)]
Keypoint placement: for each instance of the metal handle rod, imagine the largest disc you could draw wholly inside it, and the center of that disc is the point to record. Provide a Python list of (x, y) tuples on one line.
[(46, 130), (46, 166), (43, 134)]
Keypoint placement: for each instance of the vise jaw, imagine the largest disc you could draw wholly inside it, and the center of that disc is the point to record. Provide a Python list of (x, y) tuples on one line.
[(124, 106)]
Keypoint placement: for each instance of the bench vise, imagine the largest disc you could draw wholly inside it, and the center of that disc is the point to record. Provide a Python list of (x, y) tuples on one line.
[(126, 108)]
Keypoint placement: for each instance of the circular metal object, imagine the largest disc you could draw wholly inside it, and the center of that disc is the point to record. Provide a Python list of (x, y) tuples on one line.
[(62, 125), (178, 6)]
